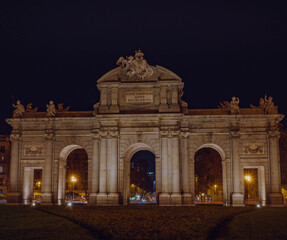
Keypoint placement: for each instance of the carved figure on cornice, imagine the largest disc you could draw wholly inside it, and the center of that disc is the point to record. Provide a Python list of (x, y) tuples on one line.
[(135, 66), (234, 106), (30, 109), (51, 110), (62, 109), (267, 105), (19, 109)]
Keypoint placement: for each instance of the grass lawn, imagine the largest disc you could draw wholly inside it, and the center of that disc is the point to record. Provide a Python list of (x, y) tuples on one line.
[(265, 223), (26, 223), (147, 222)]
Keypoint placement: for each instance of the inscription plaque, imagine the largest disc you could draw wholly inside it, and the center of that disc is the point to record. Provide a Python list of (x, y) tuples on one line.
[(139, 96)]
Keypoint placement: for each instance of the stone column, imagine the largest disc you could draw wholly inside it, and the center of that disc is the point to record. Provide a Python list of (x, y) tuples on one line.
[(14, 191), (237, 195), (112, 156), (27, 185), (103, 168), (176, 195), (275, 195), (47, 170), (95, 170), (164, 196), (186, 196)]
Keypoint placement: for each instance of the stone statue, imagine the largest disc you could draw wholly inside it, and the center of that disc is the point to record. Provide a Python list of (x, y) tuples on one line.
[(51, 110), (234, 106), (135, 66), (19, 109), (267, 105)]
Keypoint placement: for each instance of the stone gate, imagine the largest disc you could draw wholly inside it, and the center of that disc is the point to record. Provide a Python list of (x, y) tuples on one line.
[(140, 108)]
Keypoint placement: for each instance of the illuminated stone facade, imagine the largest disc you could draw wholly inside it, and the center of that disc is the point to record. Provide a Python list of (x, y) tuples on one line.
[(140, 108)]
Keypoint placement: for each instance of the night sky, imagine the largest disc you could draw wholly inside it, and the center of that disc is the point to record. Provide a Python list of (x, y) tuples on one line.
[(57, 51)]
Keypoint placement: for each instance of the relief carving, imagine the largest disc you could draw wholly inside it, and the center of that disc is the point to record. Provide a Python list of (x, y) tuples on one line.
[(33, 150), (253, 148), (135, 66)]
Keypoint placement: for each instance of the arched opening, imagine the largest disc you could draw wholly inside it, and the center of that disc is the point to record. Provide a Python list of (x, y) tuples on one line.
[(76, 183), (251, 190), (142, 178), (208, 176)]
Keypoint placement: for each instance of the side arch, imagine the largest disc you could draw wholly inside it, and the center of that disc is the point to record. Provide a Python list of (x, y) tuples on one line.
[(63, 155), (222, 154)]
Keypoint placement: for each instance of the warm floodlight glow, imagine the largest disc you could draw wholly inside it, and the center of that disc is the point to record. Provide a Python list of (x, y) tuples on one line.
[(248, 178), (73, 179)]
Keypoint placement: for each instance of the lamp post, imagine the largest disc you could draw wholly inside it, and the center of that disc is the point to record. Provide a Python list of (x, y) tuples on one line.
[(73, 179)]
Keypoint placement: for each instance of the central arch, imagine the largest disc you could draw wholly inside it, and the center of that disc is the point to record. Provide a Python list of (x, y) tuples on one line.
[(130, 151)]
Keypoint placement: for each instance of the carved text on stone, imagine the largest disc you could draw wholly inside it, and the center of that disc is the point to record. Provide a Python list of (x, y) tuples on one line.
[(139, 96)]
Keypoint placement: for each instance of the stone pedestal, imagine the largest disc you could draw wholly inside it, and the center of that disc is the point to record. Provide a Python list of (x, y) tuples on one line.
[(104, 199), (187, 199), (164, 199), (275, 199), (237, 200), (13, 198), (46, 198), (175, 199), (92, 199)]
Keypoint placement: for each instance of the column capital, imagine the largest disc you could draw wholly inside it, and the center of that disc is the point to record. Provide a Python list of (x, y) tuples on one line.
[(49, 136), (273, 134), (15, 137), (109, 133), (169, 133), (95, 136), (235, 134), (184, 135)]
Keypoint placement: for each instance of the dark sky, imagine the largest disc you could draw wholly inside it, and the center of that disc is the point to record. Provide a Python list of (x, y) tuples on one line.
[(57, 51)]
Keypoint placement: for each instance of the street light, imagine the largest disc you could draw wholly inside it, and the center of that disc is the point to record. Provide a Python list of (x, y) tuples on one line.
[(73, 179)]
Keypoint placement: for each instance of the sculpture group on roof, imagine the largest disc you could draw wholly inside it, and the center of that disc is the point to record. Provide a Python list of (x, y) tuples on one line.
[(51, 109), (135, 66), (266, 104)]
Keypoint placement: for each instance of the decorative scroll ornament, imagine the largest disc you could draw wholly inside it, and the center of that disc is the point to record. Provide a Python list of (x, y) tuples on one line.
[(33, 150), (253, 148), (273, 134), (169, 133), (135, 66)]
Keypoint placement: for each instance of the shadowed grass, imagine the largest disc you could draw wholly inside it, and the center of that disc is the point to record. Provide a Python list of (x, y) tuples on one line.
[(147, 222), (266, 223), (26, 223)]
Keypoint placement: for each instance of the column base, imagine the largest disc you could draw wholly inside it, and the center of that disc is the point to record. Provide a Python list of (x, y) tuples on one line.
[(187, 199), (46, 199), (13, 198), (105, 199), (237, 200), (166, 199), (92, 199), (275, 199)]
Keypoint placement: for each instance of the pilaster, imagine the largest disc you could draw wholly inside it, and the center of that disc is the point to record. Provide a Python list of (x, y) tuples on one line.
[(275, 195), (237, 195)]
